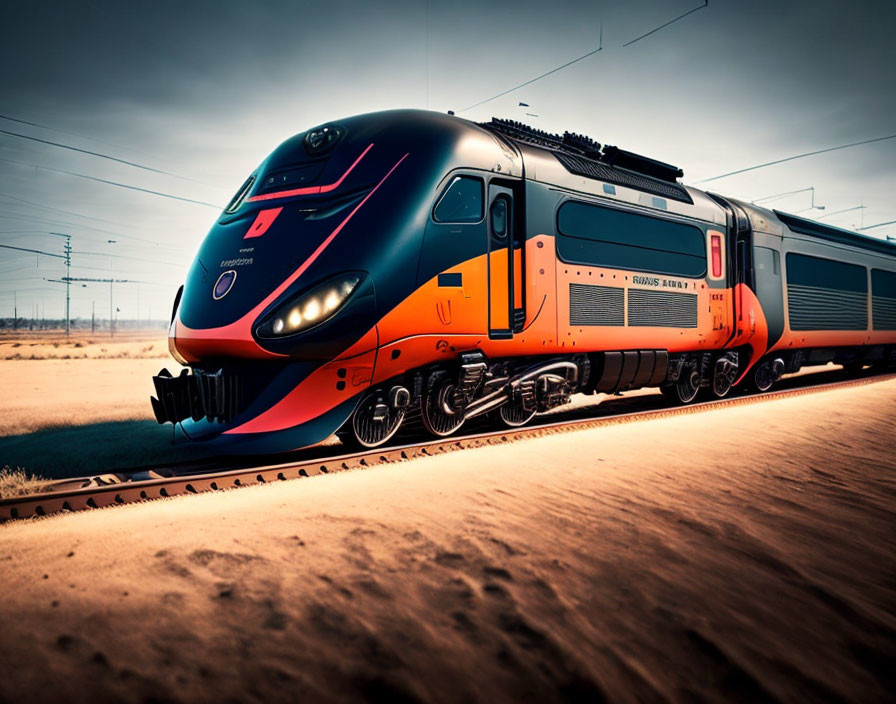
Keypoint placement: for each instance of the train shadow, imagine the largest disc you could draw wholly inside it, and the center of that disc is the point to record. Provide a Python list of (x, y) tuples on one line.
[(79, 450), (116, 446)]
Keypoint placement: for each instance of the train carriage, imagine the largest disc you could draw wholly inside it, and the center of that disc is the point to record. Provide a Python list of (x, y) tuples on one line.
[(410, 265)]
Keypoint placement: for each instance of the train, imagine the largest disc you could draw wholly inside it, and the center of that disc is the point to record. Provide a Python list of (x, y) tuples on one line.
[(412, 268)]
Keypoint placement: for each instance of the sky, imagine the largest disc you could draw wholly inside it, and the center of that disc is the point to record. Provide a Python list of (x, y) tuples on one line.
[(205, 90)]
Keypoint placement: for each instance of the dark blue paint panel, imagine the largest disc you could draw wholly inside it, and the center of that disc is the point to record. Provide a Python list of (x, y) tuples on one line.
[(451, 279)]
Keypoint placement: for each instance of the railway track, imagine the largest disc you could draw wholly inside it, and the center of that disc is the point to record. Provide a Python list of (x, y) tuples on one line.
[(147, 483)]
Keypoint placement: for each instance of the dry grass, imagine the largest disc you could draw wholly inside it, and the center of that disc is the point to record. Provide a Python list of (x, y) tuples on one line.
[(131, 345), (16, 482)]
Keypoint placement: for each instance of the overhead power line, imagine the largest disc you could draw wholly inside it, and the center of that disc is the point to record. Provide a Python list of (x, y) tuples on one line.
[(143, 241), (96, 154), (600, 48), (584, 56), (781, 196), (32, 251), (74, 134), (92, 232), (837, 212), (663, 26), (880, 224), (180, 263), (115, 183), (797, 156), (58, 210)]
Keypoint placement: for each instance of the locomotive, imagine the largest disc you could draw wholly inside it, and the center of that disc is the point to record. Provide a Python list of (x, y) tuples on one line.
[(410, 266)]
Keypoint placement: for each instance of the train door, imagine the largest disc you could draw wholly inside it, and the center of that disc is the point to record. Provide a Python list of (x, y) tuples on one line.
[(741, 242), (505, 264)]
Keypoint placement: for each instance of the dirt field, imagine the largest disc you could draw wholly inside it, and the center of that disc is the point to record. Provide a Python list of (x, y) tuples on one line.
[(78, 406), (745, 554), (132, 344)]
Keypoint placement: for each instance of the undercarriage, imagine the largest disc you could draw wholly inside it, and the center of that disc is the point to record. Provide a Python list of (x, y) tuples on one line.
[(510, 392)]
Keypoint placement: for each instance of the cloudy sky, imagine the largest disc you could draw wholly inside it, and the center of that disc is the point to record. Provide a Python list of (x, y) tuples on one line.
[(204, 90)]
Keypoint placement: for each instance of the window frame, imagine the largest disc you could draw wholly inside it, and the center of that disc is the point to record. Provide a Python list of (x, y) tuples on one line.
[(699, 227), (508, 207), (452, 178), (791, 262)]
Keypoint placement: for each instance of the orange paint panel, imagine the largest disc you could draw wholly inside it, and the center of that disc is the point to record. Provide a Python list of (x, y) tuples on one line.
[(499, 290), (434, 309), (418, 351), (711, 332), (751, 327)]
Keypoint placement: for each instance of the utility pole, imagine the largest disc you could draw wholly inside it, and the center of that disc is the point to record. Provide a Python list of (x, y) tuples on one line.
[(109, 281), (93, 317), (68, 271), (15, 310)]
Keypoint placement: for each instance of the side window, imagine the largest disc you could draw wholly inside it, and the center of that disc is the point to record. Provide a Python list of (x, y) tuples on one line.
[(825, 294), (499, 214), (883, 299), (617, 239), (461, 202)]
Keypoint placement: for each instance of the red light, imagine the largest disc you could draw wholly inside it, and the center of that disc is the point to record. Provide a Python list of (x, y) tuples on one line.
[(716, 248)]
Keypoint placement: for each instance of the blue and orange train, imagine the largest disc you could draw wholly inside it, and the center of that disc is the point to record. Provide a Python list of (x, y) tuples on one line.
[(411, 264)]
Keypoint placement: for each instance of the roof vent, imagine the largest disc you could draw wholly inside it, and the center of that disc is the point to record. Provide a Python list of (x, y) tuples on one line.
[(614, 156), (583, 156)]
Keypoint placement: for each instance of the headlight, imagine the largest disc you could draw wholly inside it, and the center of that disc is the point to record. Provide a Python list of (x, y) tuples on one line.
[(311, 308)]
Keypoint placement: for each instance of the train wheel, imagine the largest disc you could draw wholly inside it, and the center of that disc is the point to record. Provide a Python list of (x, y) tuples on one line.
[(685, 389), (766, 374), (724, 375), (437, 410), (514, 415), (762, 378), (373, 422)]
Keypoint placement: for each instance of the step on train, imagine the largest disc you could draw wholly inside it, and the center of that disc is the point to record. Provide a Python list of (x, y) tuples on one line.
[(410, 267)]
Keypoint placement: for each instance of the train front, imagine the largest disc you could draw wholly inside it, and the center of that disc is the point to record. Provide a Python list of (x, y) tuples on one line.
[(276, 322)]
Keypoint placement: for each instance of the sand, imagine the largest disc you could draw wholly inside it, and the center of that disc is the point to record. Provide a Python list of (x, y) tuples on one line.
[(49, 380), (81, 406), (744, 554)]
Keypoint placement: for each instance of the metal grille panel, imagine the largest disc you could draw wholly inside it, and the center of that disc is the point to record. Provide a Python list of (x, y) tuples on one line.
[(595, 305), (595, 169), (883, 313), (815, 308), (662, 309)]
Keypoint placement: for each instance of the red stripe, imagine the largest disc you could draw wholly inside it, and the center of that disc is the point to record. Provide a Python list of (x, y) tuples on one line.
[(239, 332), (311, 189), (323, 245)]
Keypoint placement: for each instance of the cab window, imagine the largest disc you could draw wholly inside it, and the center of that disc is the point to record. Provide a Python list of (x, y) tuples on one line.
[(461, 202)]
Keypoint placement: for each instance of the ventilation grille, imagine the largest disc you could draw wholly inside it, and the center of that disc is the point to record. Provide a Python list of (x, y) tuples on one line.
[(595, 169), (814, 308), (662, 309), (884, 313), (595, 305)]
